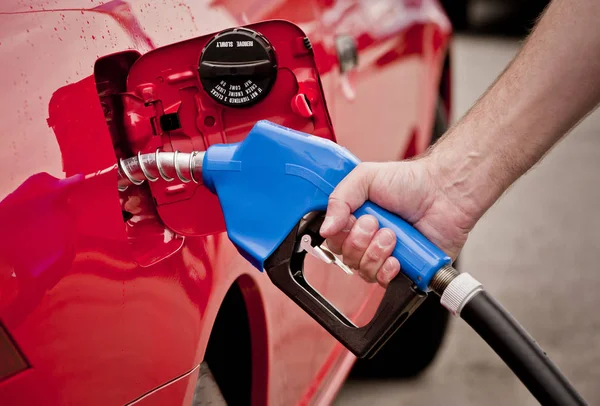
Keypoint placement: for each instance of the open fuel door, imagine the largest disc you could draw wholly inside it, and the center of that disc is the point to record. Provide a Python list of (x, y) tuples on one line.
[(212, 89)]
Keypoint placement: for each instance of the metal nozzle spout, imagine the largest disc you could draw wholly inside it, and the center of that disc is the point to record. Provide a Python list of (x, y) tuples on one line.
[(168, 166)]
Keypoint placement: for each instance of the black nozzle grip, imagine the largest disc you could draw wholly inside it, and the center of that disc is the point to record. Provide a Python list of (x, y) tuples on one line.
[(285, 269)]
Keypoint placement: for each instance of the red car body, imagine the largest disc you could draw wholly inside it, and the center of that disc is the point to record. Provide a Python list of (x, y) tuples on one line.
[(95, 310)]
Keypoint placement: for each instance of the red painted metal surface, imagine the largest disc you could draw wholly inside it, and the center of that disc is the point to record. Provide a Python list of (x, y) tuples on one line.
[(107, 311)]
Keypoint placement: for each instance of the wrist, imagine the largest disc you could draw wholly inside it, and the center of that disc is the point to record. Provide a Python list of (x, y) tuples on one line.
[(464, 174)]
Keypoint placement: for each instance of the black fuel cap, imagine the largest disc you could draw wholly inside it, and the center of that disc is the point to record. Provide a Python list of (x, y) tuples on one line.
[(238, 67)]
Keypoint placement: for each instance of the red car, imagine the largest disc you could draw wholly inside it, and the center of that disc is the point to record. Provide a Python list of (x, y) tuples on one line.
[(105, 298)]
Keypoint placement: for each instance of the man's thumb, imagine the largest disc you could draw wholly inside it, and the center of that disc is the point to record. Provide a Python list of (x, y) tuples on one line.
[(336, 218), (348, 196)]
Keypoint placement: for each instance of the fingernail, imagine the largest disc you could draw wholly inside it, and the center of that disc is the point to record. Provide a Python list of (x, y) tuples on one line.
[(368, 227), (390, 266), (385, 238), (327, 224)]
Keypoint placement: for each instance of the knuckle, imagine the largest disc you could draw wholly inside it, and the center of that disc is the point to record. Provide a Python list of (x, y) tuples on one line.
[(334, 199), (349, 250), (363, 167), (337, 205), (360, 173), (357, 244), (360, 168), (373, 255)]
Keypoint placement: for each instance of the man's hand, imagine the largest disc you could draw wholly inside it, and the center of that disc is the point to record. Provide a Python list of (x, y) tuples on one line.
[(527, 110), (409, 189)]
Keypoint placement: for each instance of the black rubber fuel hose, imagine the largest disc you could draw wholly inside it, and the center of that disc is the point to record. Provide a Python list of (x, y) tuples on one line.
[(519, 351)]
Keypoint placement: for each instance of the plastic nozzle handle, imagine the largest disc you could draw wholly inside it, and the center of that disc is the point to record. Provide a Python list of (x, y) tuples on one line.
[(419, 258)]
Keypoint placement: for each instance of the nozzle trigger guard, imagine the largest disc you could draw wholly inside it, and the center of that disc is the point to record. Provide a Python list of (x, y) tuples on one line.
[(285, 268)]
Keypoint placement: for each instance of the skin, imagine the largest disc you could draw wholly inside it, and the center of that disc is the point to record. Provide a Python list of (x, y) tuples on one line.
[(547, 89)]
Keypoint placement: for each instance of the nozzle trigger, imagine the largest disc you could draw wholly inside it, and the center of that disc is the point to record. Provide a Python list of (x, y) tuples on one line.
[(322, 253)]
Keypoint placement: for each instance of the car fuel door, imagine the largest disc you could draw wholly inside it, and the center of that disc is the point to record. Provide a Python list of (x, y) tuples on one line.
[(212, 89)]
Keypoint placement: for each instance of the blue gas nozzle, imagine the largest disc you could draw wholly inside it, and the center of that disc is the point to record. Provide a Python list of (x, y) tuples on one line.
[(269, 181)]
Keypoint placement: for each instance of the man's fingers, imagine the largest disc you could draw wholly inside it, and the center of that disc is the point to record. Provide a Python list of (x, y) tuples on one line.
[(379, 250), (358, 240), (336, 218), (388, 271), (367, 248), (334, 243)]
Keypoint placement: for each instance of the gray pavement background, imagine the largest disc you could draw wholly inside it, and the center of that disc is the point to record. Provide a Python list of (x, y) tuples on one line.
[(536, 251)]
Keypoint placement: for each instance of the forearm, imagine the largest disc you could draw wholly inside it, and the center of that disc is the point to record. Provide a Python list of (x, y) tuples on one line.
[(547, 89)]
